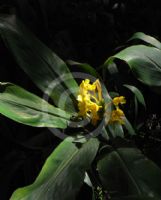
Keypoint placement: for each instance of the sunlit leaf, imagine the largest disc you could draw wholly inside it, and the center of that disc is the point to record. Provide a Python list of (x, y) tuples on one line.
[(62, 174), (27, 108), (146, 38), (144, 62)]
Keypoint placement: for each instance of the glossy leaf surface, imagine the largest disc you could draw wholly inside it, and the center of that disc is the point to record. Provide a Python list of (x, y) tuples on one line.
[(27, 108), (62, 174), (127, 174), (43, 66)]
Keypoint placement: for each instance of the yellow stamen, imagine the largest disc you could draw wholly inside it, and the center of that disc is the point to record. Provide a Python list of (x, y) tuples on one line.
[(117, 115)]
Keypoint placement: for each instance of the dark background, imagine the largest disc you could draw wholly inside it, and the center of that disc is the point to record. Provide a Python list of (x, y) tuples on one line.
[(82, 30)]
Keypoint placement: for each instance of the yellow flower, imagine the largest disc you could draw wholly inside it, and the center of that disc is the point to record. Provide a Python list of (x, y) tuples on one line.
[(99, 89), (90, 100), (119, 100), (93, 109), (91, 103), (117, 116), (85, 85)]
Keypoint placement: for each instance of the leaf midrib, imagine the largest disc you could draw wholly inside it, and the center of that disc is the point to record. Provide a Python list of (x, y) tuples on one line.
[(122, 161), (32, 108), (60, 169)]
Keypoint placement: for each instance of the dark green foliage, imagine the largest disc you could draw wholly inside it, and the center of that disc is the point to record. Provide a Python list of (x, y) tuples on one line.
[(87, 32)]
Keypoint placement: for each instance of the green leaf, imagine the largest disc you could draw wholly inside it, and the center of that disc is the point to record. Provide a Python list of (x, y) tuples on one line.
[(62, 174), (114, 94), (115, 130), (44, 67), (127, 174), (137, 93), (87, 180), (84, 67), (27, 108), (112, 69), (104, 133), (146, 38), (129, 127), (144, 62)]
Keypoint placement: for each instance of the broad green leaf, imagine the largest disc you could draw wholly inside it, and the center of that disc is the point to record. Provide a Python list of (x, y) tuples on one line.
[(62, 174), (44, 67), (146, 38), (125, 172), (27, 108), (137, 93), (143, 61)]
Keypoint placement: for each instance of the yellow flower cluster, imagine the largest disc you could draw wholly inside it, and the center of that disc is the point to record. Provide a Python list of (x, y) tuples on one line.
[(117, 115), (90, 101)]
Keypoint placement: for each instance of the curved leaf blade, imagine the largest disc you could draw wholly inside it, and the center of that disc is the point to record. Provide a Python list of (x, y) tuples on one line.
[(62, 174), (115, 130), (44, 67), (129, 127), (85, 67), (27, 108), (126, 172), (138, 94), (143, 61), (146, 38)]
